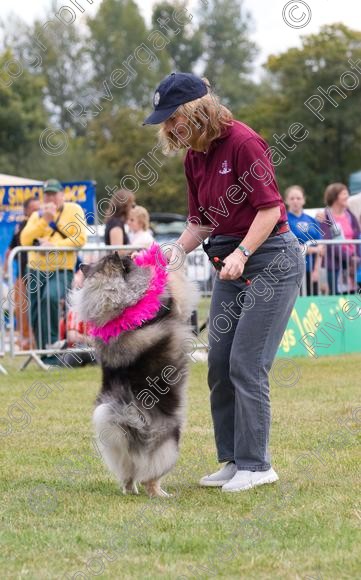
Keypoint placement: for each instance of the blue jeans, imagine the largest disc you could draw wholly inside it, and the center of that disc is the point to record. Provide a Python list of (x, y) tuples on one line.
[(246, 327)]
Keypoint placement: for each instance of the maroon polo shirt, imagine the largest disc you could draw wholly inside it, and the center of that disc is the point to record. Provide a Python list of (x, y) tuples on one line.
[(229, 183)]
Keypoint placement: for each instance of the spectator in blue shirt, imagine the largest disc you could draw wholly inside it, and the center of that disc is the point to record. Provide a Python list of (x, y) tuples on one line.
[(305, 229)]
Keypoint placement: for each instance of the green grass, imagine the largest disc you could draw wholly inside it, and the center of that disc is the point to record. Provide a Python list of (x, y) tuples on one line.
[(304, 526), (203, 309)]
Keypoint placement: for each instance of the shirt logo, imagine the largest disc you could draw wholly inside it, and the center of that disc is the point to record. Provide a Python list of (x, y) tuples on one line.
[(303, 226), (156, 99), (225, 169)]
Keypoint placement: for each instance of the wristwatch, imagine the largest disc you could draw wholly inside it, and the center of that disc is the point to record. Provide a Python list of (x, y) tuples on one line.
[(244, 251)]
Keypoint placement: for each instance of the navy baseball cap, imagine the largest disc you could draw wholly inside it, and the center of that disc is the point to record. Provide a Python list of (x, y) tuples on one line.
[(175, 90)]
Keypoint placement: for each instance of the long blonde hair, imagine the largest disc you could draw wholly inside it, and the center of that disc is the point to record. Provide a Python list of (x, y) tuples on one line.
[(207, 119)]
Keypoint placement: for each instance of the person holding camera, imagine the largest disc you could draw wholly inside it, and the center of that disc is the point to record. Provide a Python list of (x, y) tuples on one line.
[(49, 273)]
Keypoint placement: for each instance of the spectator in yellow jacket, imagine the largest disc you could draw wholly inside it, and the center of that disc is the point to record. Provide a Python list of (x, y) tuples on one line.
[(49, 273)]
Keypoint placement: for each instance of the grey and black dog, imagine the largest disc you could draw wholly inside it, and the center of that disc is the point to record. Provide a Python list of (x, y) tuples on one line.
[(140, 410)]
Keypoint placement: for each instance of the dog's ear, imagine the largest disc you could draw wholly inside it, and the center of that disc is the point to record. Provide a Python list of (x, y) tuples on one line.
[(84, 268), (127, 264), (116, 257)]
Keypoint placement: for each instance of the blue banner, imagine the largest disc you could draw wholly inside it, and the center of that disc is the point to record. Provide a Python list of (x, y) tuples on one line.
[(12, 198)]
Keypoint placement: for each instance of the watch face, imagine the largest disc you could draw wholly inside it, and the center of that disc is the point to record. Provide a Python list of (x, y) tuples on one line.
[(244, 251)]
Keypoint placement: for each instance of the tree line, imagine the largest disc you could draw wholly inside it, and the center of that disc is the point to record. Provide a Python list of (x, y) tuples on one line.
[(73, 95)]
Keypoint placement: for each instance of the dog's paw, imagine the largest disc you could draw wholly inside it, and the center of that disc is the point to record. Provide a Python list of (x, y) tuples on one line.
[(153, 489), (160, 493), (131, 488)]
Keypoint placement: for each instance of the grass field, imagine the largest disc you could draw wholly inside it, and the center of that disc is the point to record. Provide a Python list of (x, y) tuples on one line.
[(60, 508)]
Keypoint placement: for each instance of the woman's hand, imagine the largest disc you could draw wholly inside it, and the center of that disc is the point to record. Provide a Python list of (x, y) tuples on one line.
[(315, 275), (175, 255), (312, 249), (233, 266), (320, 216)]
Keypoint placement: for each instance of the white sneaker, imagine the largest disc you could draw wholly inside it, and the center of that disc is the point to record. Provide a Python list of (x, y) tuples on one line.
[(243, 480), (220, 477)]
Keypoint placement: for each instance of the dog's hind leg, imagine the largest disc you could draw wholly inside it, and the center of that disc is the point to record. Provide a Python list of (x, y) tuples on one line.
[(130, 486), (113, 446), (153, 489)]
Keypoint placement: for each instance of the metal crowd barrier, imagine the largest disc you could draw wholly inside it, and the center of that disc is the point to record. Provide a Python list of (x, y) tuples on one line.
[(28, 301), (25, 299), (22, 306), (340, 269), (331, 279), (338, 274)]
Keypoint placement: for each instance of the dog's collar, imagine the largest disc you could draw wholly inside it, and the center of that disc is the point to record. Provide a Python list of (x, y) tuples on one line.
[(148, 307), (164, 310)]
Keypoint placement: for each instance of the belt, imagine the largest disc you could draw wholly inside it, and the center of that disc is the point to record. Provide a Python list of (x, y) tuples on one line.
[(280, 229)]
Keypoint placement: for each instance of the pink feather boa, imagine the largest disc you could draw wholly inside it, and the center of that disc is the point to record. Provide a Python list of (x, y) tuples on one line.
[(147, 307)]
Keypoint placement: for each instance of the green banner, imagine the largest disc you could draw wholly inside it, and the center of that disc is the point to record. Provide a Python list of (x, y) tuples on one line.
[(323, 326)]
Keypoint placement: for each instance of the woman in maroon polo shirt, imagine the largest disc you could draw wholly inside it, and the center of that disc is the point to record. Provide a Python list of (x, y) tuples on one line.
[(234, 201)]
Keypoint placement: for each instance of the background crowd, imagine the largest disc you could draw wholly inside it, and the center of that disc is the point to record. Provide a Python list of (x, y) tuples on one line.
[(331, 269), (44, 278)]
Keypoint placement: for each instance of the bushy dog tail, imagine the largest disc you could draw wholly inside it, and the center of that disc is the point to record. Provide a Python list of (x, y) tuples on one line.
[(184, 293), (127, 415)]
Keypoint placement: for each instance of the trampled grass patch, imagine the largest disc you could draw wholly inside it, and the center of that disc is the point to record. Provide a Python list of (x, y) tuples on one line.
[(63, 514)]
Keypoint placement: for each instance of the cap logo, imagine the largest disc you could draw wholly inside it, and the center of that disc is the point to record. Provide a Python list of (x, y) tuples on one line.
[(156, 99)]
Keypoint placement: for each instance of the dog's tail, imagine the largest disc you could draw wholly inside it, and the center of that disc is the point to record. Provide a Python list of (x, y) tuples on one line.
[(184, 293), (127, 415)]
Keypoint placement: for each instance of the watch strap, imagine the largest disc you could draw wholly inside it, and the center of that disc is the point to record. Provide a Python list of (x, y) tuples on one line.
[(244, 250)]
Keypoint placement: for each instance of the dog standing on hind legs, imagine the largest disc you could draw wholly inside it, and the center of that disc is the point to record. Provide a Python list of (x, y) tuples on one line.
[(138, 314)]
